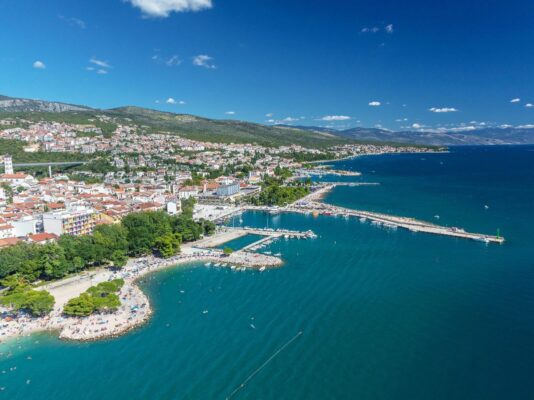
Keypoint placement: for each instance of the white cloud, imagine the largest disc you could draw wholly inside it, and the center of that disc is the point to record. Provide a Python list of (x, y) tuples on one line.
[(171, 100), (529, 105), (163, 8), (100, 63), (375, 104), (373, 29), (77, 22), (462, 129), (203, 60), (230, 112), (335, 118), (516, 100), (173, 61), (443, 109), (269, 115), (528, 126), (102, 71), (39, 65), (417, 126)]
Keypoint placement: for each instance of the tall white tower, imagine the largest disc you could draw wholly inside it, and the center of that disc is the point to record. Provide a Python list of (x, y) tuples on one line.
[(8, 164)]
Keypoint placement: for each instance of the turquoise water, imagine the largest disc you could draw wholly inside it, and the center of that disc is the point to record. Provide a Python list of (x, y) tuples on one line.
[(240, 242), (384, 314)]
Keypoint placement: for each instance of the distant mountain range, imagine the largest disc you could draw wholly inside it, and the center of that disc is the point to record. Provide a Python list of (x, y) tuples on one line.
[(10, 104), (471, 137), (207, 129)]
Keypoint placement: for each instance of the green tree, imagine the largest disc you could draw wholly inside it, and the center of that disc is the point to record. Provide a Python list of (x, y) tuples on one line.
[(168, 245), (52, 261), (80, 306), (20, 296)]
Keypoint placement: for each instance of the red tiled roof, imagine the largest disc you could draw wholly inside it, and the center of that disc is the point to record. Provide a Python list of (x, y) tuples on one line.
[(42, 237), (8, 242)]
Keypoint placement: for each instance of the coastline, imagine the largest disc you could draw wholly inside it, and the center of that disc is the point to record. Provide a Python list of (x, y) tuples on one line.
[(379, 154), (135, 308)]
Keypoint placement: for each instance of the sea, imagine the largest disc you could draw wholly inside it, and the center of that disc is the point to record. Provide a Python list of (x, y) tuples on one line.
[(362, 312)]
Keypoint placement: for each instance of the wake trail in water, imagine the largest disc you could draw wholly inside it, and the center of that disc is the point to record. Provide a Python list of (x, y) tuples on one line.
[(253, 374)]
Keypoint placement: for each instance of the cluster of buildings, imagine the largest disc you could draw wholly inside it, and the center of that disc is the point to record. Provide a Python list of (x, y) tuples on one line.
[(148, 171)]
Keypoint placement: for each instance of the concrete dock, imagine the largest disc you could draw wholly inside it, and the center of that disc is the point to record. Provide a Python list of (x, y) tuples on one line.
[(310, 206)]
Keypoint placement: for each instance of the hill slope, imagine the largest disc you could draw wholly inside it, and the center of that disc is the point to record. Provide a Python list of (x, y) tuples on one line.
[(224, 130), (9, 104)]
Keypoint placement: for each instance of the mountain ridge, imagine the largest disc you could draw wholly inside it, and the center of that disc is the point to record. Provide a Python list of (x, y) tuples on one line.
[(224, 130)]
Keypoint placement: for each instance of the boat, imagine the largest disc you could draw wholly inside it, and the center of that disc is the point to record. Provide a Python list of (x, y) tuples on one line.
[(262, 269), (207, 264), (232, 267), (205, 312), (278, 254)]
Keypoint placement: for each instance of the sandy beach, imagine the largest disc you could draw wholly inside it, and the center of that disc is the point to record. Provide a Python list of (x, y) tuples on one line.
[(135, 307)]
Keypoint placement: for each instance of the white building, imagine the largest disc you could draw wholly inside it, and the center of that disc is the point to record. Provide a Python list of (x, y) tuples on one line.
[(6, 231), (27, 225), (8, 164), (174, 207), (76, 221)]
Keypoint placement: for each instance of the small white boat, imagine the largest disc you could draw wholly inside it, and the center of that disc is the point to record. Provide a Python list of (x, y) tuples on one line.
[(232, 267), (205, 312), (252, 326), (207, 265), (486, 207), (262, 269)]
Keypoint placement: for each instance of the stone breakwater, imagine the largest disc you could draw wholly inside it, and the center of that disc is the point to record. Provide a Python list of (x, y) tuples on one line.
[(135, 307)]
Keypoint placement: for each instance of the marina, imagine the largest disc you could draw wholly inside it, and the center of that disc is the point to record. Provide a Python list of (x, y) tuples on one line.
[(311, 205)]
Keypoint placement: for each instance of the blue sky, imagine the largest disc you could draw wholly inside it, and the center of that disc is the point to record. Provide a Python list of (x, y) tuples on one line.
[(343, 63)]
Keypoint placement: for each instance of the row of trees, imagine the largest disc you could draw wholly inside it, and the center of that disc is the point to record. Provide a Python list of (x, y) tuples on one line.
[(20, 296), (275, 193), (138, 234), (100, 298)]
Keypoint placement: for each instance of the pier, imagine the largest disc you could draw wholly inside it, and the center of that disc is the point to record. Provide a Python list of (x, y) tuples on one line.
[(311, 204), (388, 221), (392, 221)]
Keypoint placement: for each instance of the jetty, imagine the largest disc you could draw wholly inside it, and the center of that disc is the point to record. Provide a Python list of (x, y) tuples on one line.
[(391, 221), (311, 204)]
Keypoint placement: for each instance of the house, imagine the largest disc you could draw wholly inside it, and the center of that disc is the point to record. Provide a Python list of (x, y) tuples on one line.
[(228, 190), (8, 242), (6, 231), (42, 238), (187, 192)]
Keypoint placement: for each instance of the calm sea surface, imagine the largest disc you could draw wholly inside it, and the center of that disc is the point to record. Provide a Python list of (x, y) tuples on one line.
[(383, 314)]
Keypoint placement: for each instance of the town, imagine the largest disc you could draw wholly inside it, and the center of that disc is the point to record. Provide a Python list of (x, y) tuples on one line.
[(128, 168)]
